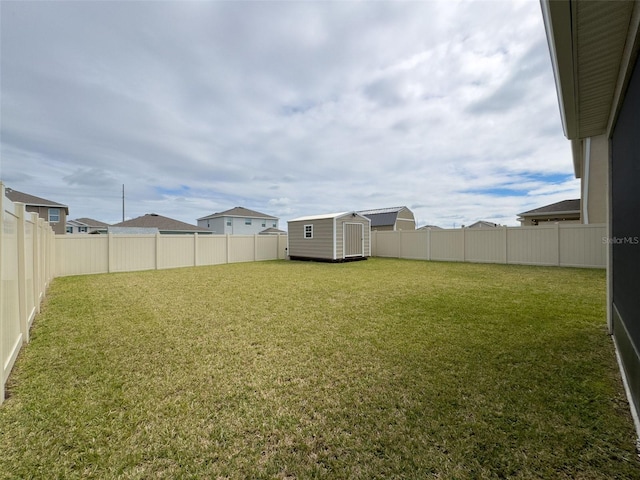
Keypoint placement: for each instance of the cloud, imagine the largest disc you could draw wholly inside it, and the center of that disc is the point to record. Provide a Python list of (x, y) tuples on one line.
[(286, 108)]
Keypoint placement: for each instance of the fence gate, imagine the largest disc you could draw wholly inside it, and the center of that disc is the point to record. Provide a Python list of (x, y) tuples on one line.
[(353, 240)]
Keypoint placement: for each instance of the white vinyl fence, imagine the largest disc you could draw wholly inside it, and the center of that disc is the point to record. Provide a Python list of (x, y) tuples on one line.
[(26, 254), (88, 254), (570, 245)]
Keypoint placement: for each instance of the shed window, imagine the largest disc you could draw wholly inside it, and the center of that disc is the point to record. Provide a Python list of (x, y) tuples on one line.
[(308, 231), (54, 215)]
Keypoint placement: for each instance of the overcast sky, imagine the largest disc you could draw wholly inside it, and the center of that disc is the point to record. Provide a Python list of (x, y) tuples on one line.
[(287, 108)]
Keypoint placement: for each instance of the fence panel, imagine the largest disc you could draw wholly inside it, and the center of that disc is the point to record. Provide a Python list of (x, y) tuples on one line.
[(242, 248), (81, 254), (570, 245), (485, 245), (176, 251), (212, 249), (130, 253), (447, 245), (583, 250), (25, 266)]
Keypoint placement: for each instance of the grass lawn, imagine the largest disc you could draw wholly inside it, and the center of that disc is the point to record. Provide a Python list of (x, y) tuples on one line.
[(378, 369)]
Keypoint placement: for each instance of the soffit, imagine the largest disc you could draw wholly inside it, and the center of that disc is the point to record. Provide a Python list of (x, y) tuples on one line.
[(600, 36)]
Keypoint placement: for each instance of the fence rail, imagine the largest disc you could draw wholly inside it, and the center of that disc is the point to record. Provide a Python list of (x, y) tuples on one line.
[(26, 268), (571, 245)]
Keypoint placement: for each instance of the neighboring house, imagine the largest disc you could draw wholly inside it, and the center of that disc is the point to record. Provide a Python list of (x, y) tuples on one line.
[(53, 212), (594, 50), (334, 237), (272, 231), (429, 227), (86, 225), (165, 225), (483, 224), (390, 219), (566, 211), (238, 221)]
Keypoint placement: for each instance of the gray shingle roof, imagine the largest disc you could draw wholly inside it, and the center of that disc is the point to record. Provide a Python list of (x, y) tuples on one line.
[(90, 222), (27, 199), (153, 220), (382, 216), (239, 212), (565, 206)]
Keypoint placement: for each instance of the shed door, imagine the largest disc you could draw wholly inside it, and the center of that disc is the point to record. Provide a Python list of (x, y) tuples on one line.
[(353, 240)]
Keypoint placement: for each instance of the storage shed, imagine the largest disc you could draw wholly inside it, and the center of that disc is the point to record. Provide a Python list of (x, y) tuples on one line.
[(333, 237)]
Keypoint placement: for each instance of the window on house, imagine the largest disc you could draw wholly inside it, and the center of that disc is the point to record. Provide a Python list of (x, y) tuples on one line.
[(308, 231), (274, 224), (69, 229), (54, 215), (264, 223), (229, 223), (82, 229), (247, 221)]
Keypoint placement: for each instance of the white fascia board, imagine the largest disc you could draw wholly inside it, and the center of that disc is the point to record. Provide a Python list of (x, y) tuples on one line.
[(558, 24)]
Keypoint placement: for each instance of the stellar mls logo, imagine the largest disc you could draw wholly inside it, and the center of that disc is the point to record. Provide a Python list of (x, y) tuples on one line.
[(621, 240)]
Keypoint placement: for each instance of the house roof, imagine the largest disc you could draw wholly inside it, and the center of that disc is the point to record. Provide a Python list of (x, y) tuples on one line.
[(239, 212), (32, 200), (90, 222), (327, 216), (589, 42), (429, 227), (564, 207), (272, 231), (483, 224), (164, 224), (382, 216)]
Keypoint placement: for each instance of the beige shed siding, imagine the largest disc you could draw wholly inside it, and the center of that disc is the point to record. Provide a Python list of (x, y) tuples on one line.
[(405, 220), (320, 246)]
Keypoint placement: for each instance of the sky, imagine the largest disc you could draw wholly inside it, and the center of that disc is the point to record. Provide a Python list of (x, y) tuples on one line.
[(287, 108)]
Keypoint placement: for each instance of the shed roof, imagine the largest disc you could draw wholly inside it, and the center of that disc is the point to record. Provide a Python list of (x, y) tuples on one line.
[(161, 223), (28, 199), (327, 216), (239, 212), (565, 206), (382, 216)]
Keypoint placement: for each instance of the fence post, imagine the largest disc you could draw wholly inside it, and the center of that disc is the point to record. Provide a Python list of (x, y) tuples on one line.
[(228, 246), (22, 273), (195, 249), (255, 247), (157, 250), (35, 252), (428, 244), (109, 252), (464, 245), (506, 246), (557, 228), (2, 320)]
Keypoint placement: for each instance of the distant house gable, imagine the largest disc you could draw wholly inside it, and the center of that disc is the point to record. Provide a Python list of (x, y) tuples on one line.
[(165, 225), (86, 225), (238, 221), (53, 212), (483, 224), (392, 218), (564, 211)]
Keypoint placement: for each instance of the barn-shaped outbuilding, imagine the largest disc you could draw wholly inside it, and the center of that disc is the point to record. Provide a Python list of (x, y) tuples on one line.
[(333, 237)]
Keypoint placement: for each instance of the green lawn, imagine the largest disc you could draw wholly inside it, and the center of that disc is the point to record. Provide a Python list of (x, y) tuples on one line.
[(377, 369)]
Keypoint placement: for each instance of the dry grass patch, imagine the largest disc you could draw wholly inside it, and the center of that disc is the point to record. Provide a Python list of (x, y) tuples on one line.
[(376, 369)]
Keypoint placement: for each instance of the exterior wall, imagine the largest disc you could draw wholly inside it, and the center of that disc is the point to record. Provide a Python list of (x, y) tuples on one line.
[(595, 181), (238, 225), (60, 227), (320, 246), (405, 220), (383, 228), (553, 245), (625, 236), (542, 220)]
